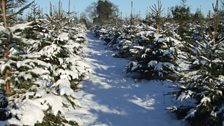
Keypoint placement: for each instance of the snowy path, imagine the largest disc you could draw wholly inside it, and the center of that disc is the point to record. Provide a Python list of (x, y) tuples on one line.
[(108, 98)]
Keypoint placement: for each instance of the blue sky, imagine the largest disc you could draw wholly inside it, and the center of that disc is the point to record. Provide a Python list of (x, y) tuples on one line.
[(140, 6)]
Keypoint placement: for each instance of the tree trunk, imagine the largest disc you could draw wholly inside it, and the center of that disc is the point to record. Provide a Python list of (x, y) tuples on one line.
[(158, 27), (6, 53), (209, 23), (216, 21), (59, 9), (7, 82), (4, 13), (6, 49), (69, 6), (7, 72)]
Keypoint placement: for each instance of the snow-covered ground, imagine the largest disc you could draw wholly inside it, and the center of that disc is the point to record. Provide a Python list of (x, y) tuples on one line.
[(109, 98)]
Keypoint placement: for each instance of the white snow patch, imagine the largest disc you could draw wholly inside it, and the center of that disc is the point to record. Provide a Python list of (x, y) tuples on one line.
[(64, 86), (20, 26), (109, 98), (146, 103), (63, 36)]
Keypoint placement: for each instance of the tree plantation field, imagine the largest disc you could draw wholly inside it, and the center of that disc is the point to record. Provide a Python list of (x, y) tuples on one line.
[(99, 68)]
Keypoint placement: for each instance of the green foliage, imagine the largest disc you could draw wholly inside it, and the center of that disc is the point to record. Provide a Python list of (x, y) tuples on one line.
[(4, 115), (198, 17), (20, 10), (36, 12), (53, 60), (17, 7), (52, 120), (63, 53), (181, 13), (103, 11), (70, 101), (36, 55), (203, 83), (158, 59), (28, 33), (3, 101)]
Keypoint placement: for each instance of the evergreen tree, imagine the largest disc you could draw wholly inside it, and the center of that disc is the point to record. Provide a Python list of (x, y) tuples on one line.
[(156, 14), (203, 84), (198, 17), (157, 60), (14, 8), (8, 36), (35, 12), (103, 11), (181, 14)]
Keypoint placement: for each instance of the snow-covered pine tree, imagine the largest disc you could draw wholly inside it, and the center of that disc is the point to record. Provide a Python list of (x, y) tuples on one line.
[(45, 61), (7, 38), (123, 40), (182, 15), (202, 86), (7, 41), (157, 60)]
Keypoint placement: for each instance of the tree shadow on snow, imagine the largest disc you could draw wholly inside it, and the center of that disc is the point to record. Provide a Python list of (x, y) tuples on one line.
[(121, 101)]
